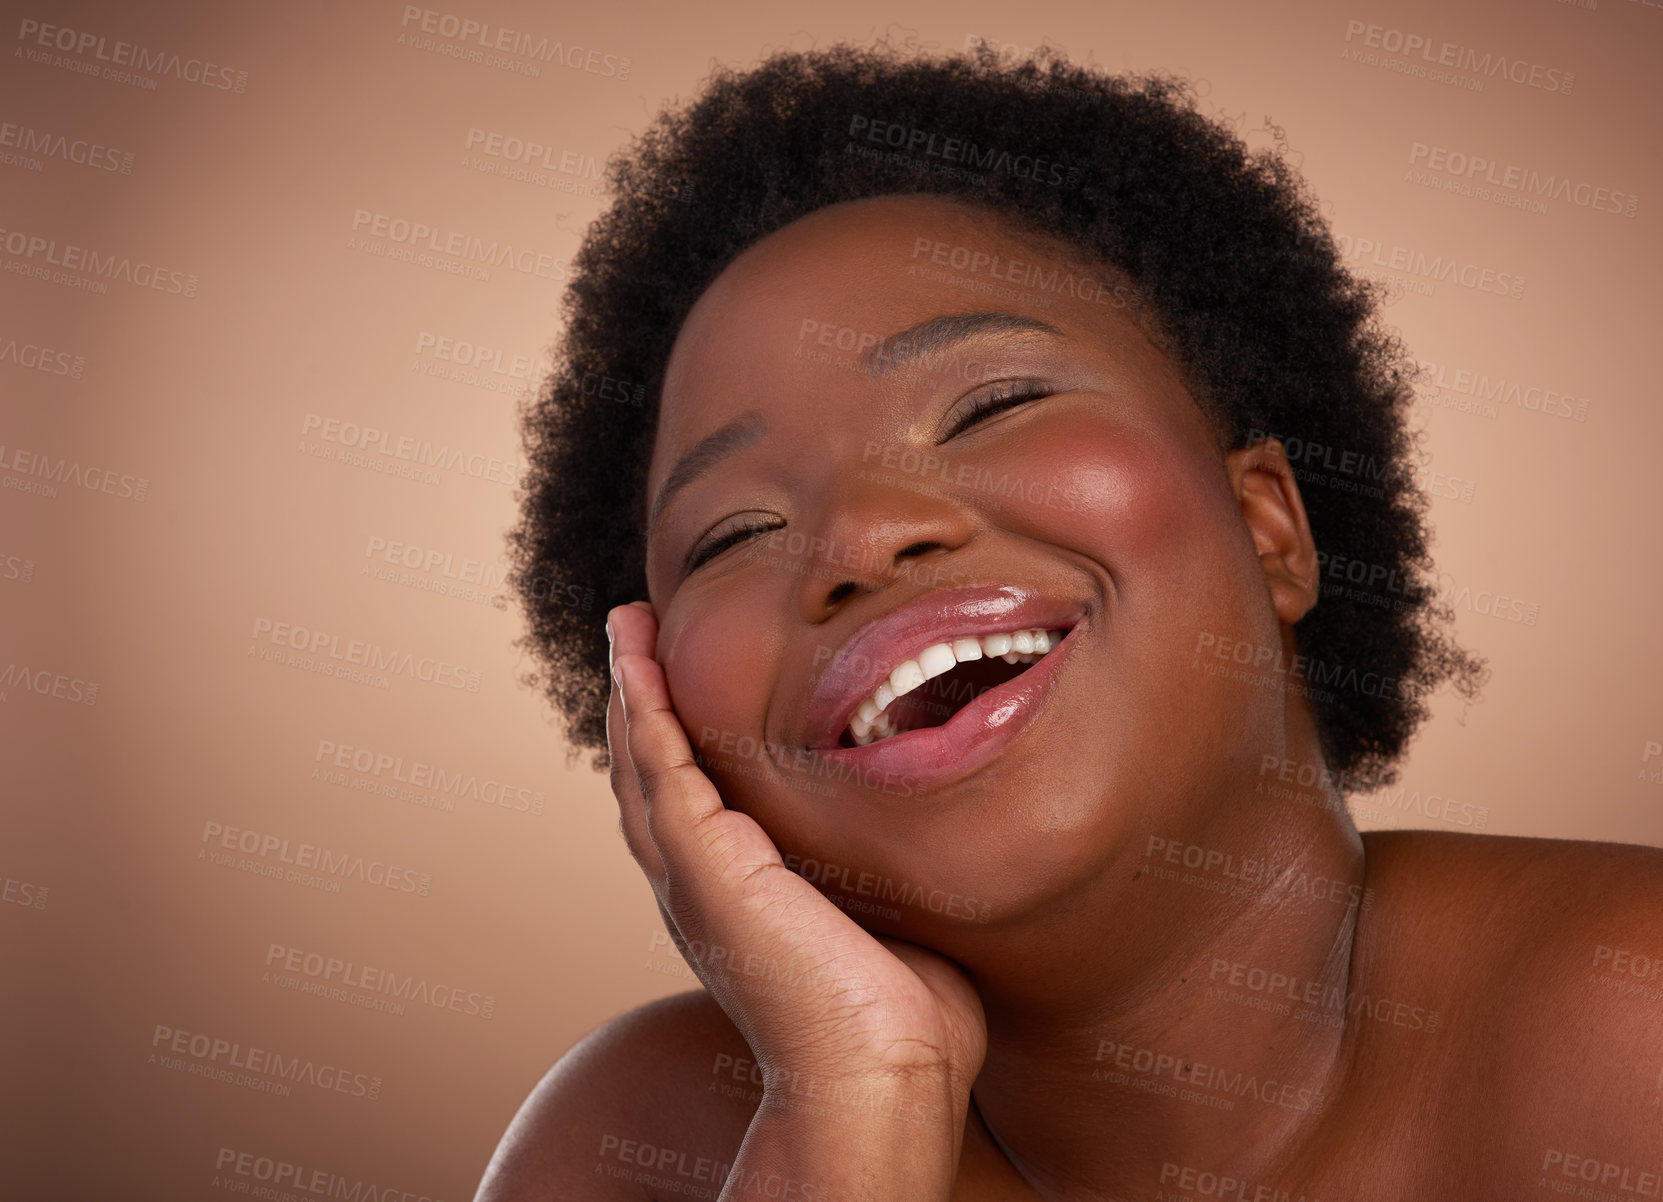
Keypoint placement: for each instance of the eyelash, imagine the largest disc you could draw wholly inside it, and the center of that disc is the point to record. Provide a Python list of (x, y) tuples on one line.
[(1008, 397), (709, 550)]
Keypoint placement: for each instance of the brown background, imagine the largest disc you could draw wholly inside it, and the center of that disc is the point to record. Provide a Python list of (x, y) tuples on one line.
[(254, 191)]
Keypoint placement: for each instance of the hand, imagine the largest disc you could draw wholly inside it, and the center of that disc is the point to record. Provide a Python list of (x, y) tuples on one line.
[(811, 991)]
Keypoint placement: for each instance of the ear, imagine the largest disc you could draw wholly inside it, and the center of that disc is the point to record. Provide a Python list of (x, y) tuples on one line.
[(1262, 479)]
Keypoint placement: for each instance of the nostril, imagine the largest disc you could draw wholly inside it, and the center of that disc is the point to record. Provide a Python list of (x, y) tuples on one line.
[(840, 592), (916, 549)]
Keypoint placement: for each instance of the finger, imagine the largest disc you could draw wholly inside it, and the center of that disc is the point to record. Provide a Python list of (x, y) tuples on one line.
[(632, 811), (686, 819), (711, 856), (632, 805)]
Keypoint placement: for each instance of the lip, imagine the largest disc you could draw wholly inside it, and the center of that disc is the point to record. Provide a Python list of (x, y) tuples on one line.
[(935, 756), (866, 660)]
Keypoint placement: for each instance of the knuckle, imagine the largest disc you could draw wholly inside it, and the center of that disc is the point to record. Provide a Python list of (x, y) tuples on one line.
[(679, 904), (655, 778)]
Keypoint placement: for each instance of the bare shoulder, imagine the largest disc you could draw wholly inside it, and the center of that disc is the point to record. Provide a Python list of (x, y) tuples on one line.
[(1520, 900), (1546, 956), (1556, 883), (650, 1104)]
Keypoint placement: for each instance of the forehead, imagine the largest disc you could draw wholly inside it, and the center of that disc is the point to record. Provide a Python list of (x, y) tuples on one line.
[(824, 289)]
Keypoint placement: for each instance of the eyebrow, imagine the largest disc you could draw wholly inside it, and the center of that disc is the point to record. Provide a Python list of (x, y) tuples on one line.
[(710, 450), (939, 333)]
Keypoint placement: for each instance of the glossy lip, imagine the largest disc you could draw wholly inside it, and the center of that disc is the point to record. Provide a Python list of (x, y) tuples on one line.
[(934, 756), (866, 660)]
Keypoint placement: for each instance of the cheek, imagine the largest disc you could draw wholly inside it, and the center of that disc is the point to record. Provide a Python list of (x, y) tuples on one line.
[(1141, 500), (1155, 510), (718, 655)]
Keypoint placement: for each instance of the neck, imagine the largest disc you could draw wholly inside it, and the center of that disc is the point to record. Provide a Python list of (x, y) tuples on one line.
[(1193, 1015)]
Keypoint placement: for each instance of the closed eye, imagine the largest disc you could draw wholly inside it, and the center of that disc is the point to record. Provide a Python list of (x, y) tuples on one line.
[(1007, 396), (713, 547)]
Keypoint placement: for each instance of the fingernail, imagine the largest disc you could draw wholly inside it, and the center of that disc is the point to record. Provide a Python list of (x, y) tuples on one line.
[(618, 675)]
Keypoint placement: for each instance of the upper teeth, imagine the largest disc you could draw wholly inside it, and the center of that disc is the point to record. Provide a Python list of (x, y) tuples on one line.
[(870, 723)]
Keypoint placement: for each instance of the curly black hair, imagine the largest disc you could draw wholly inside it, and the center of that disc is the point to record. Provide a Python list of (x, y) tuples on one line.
[(1231, 262)]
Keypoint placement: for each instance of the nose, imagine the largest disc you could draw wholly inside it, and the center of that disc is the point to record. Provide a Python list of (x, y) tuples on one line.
[(872, 536)]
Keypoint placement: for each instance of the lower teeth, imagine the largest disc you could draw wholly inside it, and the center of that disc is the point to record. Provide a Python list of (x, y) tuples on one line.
[(882, 728)]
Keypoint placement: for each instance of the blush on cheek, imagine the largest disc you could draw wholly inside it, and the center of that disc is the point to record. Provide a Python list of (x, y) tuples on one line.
[(716, 663), (1131, 495), (721, 666)]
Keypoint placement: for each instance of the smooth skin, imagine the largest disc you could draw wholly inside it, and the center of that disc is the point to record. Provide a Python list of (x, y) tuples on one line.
[(1396, 1015)]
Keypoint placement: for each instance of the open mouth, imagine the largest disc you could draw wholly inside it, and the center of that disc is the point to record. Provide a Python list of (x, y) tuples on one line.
[(943, 679)]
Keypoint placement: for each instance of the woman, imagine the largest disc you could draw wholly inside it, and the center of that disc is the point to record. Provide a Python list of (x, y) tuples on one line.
[(979, 713)]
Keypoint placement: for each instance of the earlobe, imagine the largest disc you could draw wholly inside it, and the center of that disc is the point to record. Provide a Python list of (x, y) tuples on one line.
[(1271, 506)]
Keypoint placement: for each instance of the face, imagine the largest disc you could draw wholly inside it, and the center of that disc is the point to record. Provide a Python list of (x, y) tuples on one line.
[(851, 511)]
